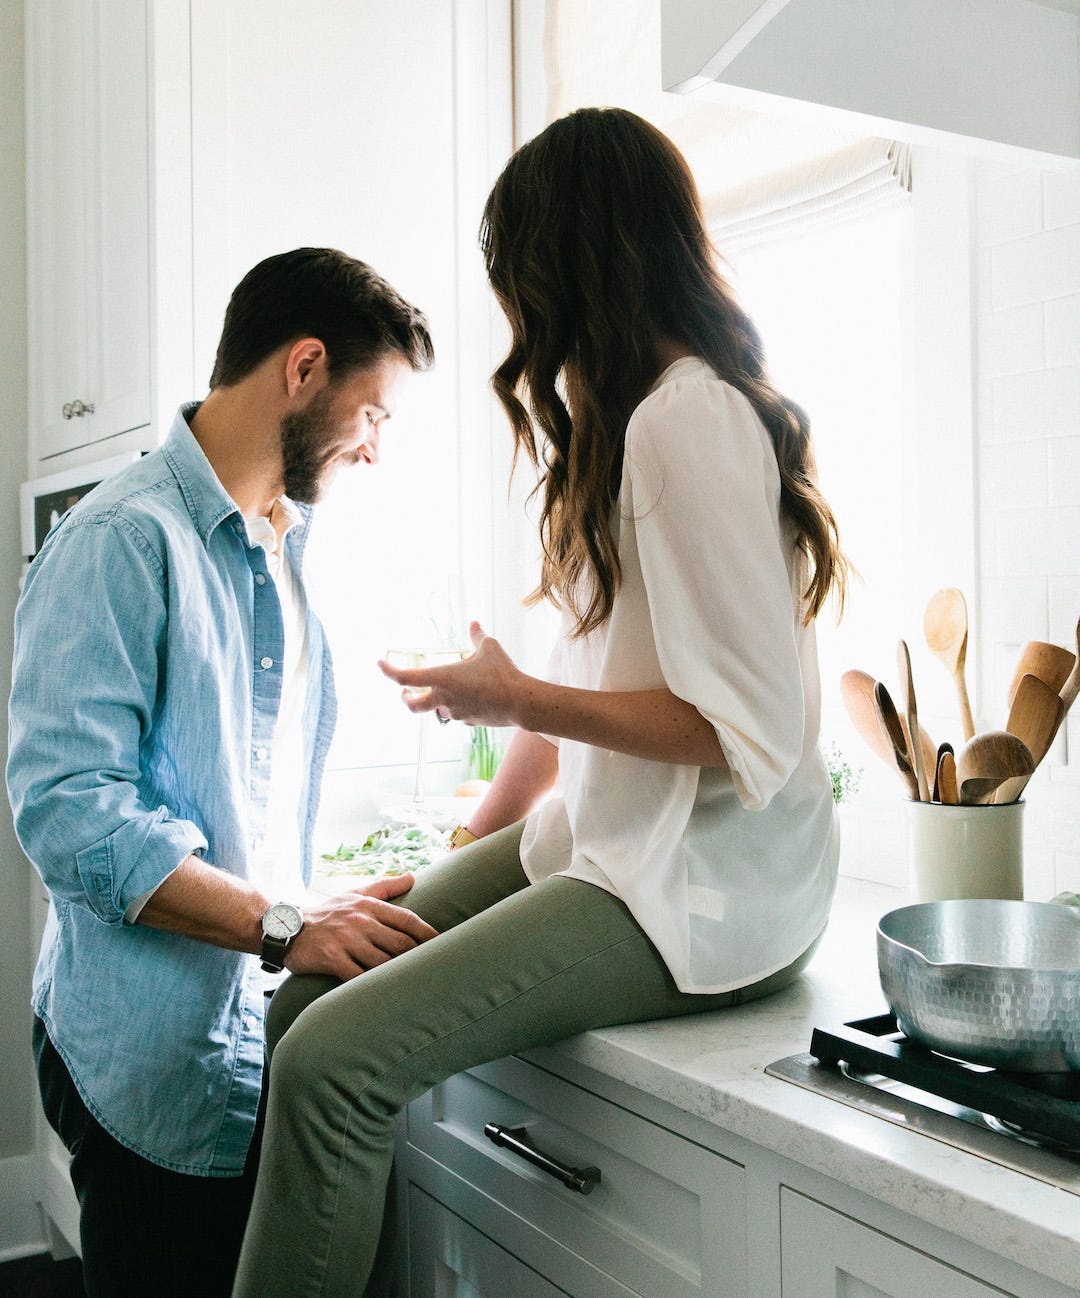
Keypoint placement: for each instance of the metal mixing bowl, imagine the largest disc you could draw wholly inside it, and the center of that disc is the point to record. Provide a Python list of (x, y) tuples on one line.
[(991, 982)]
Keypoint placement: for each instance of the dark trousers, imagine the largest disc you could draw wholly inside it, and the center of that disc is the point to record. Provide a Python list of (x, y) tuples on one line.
[(145, 1231)]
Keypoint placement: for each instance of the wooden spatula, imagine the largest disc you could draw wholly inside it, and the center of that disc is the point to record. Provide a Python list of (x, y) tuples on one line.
[(1049, 662), (1034, 717), (947, 790)]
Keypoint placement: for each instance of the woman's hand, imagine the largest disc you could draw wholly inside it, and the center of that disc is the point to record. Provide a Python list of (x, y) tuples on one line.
[(486, 689)]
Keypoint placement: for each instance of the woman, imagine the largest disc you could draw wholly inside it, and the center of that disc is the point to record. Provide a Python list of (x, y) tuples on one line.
[(689, 859)]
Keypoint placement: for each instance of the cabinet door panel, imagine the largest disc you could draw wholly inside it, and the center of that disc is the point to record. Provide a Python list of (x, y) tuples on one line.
[(449, 1259), (667, 1218), (88, 210), (117, 209), (56, 218), (828, 1255)]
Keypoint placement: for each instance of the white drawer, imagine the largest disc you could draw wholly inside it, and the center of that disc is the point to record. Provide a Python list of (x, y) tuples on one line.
[(448, 1258), (668, 1217)]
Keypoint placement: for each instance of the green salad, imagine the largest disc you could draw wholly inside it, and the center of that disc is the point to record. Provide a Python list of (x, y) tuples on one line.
[(393, 849)]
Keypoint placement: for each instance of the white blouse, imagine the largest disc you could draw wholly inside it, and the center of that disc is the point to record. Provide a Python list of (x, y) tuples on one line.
[(730, 872)]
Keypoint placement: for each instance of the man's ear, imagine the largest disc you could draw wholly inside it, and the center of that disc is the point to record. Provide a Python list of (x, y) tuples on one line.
[(305, 363)]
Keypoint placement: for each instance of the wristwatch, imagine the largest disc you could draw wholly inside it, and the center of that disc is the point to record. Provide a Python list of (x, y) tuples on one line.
[(460, 836), (280, 924)]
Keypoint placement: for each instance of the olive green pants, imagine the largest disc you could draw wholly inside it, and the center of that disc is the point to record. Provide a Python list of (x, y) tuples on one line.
[(514, 967)]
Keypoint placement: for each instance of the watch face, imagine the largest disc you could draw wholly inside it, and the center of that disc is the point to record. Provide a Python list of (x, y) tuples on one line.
[(282, 921)]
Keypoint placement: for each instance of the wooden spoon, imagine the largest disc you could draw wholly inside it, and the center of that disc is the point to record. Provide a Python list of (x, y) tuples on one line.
[(987, 761), (890, 719), (1034, 717), (857, 693), (945, 625), (907, 693), (1049, 662), (947, 790)]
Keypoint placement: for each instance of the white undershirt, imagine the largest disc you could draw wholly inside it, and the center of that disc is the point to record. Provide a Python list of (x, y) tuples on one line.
[(275, 862)]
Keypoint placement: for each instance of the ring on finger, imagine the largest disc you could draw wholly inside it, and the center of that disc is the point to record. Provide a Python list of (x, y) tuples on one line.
[(443, 721)]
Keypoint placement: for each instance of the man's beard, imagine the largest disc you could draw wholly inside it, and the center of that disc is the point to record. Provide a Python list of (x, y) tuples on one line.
[(305, 436)]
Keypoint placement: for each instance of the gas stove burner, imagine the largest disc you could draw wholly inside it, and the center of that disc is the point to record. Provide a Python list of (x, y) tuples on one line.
[(1041, 1109)]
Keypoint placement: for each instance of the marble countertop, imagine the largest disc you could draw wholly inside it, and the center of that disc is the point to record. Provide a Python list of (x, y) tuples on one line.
[(713, 1065)]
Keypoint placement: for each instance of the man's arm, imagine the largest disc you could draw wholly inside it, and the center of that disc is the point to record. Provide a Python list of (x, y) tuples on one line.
[(342, 936)]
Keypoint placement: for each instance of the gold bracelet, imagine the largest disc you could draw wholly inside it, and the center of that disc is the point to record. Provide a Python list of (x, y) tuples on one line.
[(461, 836)]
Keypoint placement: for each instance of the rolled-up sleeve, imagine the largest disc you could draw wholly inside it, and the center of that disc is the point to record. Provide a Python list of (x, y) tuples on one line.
[(705, 499), (87, 667)]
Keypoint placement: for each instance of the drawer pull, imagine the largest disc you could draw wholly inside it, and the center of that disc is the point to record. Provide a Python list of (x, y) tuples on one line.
[(582, 1179)]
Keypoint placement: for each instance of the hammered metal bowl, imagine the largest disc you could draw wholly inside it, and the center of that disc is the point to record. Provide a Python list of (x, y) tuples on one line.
[(990, 982)]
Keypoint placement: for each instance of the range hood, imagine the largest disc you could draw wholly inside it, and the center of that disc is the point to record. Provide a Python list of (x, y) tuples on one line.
[(989, 76)]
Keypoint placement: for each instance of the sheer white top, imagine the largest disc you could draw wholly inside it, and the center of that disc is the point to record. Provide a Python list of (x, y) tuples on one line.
[(730, 872)]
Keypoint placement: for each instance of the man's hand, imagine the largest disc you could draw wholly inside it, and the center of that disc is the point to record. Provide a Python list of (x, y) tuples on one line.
[(357, 930)]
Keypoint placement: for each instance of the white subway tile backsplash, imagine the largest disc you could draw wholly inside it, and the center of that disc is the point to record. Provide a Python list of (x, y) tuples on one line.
[(1062, 330), (1013, 610), (1035, 269), (1063, 470), (1036, 542), (1009, 206), (1041, 403), (1064, 594), (1013, 475), (1061, 197), (1010, 342)]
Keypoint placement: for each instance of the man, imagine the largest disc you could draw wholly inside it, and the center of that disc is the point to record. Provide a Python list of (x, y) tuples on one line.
[(171, 709)]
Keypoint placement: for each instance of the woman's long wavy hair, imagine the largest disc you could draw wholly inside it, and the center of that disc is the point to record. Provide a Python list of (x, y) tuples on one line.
[(596, 248)]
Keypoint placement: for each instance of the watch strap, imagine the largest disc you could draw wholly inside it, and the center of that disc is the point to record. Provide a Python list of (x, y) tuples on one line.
[(273, 953)]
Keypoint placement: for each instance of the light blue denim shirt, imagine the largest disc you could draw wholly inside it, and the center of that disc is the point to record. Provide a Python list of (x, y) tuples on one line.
[(145, 688)]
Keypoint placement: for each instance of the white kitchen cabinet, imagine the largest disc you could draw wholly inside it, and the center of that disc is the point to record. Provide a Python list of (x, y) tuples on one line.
[(666, 1220), (681, 1209), (451, 1259), (88, 228), (828, 1255)]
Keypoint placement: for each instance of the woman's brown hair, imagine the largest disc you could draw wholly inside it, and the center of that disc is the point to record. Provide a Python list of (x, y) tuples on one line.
[(596, 249)]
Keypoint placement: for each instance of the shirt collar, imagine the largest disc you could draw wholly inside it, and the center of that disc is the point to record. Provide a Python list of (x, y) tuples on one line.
[(208, 503)]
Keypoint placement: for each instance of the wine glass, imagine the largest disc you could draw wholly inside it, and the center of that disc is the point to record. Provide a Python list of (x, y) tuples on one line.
[(418, 811)]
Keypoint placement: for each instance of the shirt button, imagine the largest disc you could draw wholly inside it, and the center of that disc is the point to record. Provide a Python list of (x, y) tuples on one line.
[(260, 753), (260, 579), (251, 1022), (266, 662)]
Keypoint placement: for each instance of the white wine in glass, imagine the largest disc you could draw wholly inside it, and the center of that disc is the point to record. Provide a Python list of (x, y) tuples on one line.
[(418, 810)]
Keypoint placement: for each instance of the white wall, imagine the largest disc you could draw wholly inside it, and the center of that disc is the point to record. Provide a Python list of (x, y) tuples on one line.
[(15, 955), (1026, 237)]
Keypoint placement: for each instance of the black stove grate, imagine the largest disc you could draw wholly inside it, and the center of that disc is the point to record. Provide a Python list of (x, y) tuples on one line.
[(1043, 1105)]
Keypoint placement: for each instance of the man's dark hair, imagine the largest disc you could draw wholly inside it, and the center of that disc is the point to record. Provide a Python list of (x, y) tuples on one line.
[(318, 293)]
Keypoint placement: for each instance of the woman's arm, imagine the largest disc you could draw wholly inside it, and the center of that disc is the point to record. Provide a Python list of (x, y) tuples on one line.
[(487, 689), (527, 773)]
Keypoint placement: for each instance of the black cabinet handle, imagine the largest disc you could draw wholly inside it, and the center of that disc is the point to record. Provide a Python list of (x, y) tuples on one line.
[(582, 1179)]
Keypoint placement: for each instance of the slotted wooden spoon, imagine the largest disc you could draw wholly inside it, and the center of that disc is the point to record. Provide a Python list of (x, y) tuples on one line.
[(890, 719), (945, 625), (986, 761), (907, 694)]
